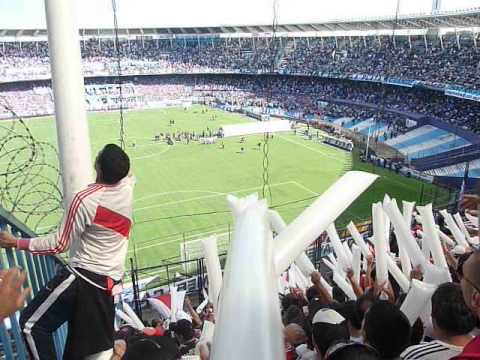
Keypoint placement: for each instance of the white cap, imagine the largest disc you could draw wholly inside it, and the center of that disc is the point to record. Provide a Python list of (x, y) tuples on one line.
[(328, 316)]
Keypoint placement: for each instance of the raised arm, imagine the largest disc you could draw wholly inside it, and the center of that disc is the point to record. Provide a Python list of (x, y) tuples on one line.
[(71, 227)]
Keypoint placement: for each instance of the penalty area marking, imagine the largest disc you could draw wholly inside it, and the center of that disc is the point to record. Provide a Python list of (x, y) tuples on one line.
[(308, 147), (199, 235), (209, 196)]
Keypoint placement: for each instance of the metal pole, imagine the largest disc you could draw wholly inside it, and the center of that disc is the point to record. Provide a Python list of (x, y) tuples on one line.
[(69, 93), (421, 193), (135, 288)]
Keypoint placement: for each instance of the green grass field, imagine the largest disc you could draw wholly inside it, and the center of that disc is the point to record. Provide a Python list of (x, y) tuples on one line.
[(180, 192)]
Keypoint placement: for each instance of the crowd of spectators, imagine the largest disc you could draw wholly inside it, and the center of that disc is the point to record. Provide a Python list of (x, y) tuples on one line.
[(435, 62), (306, 96), (322, 324)]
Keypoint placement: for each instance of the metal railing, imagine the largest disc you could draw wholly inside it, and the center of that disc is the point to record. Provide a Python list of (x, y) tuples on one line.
[(39, 269)]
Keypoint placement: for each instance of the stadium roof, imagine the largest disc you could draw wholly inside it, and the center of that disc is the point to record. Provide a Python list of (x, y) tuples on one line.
[(458, 19)]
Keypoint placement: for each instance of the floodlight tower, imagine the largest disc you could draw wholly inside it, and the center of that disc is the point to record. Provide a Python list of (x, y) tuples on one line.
[(69, 95), (436, 6)]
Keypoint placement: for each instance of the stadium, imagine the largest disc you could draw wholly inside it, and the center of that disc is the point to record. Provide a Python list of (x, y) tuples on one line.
[(296, 165)]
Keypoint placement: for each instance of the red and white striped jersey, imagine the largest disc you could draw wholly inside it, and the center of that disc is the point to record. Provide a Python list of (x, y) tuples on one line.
[(95, 230)]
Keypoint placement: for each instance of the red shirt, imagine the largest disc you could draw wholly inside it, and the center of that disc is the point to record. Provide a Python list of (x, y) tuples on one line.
[(470, 351)]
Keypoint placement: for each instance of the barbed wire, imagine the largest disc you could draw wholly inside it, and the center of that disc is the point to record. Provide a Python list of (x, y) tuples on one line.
[(29, 173)]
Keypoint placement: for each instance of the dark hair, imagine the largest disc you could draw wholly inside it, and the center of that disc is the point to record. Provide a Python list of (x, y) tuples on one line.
[(417, 332), (325, 335), (152, 348), (387, 329), (354, 351), (350, 312), (114, 164), (294, 315), (338, 294), (362, 301), (450, 312), (183, 328), (125, 333), (289, 300), (311, 294)]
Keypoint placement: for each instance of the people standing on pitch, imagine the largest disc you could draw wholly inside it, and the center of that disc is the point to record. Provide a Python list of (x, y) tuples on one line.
[(95, 230)]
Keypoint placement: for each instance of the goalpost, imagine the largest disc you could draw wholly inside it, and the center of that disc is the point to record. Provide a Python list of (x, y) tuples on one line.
[(191, 250)]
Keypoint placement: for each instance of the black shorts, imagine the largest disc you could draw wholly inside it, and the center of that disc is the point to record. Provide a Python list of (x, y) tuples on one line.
[(89, 311)]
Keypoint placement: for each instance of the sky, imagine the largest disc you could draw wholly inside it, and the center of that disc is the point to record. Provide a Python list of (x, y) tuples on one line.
[(26, 14)]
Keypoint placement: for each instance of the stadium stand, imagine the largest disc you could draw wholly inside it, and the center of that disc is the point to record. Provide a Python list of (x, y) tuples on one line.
[(334, 308)]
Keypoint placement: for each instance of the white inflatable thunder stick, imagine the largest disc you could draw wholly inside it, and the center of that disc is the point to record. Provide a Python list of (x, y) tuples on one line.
[(302, 261), (431, 235), (131, 314), (342, 257), (358, 239), (386, 200), (121, 315), (463, 228), (173, 303), (329, 265), (452, 226), (249, 275), (472, 219), (214, 270), (314, 220), (404, 235), (305, 264), (304, 281), (347, 251), (436, 275), (424, 245), (408, 212), (402, 252), (238, 205), (398, 275), (356, 263), (332, 259), (420, 293), (381, 267), (344, 285), (445, 238)]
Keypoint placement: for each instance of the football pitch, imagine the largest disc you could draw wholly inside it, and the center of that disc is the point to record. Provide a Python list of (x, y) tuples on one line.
[(181, 188)]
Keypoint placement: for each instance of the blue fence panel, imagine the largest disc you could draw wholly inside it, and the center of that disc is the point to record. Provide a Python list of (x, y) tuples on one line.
[(40, 269)]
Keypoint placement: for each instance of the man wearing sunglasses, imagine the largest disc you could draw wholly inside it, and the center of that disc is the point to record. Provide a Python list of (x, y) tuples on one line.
[(469, 274)]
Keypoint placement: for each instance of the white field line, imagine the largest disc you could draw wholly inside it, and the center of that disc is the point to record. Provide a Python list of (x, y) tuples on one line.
[(208, 196), (175, 192), (177, 240), (308, 147), (201, 235), (305, 188)]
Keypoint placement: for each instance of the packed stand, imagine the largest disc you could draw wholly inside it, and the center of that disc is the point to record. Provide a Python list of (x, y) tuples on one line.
[(305, 96), (435, 62)]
